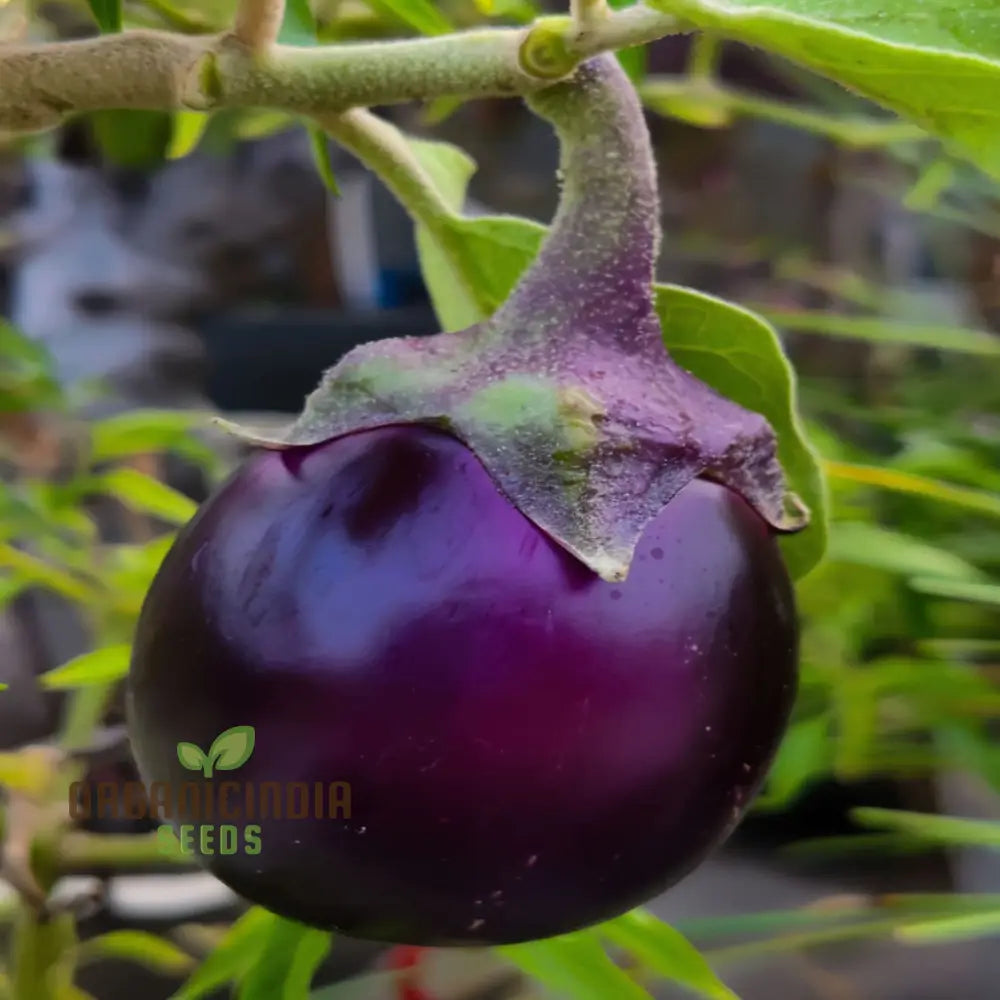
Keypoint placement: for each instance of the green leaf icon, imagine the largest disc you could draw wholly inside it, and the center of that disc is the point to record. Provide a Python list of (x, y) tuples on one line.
[(232, 748), (190, 756)]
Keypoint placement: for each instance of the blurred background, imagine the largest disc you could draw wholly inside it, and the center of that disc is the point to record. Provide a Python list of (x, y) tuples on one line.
[(156, 269)]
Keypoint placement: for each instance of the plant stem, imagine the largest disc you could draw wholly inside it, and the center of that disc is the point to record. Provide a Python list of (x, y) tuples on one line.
[(78, 851), (258, 22), (381, 147), (40, 84)]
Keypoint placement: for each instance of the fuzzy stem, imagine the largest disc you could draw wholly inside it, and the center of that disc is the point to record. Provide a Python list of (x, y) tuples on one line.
[(381, 147), (258, 22), (40, 84), (606, 232)]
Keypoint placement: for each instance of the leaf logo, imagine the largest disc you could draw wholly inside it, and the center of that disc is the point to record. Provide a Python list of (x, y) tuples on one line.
[(229, 750)]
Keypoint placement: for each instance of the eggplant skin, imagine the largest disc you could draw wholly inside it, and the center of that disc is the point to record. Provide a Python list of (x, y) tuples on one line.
[(529, 749)]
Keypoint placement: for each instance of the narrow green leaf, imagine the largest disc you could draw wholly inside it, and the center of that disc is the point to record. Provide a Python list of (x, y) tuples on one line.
[(936, 63), (140, 432), (421, 15), (964, 928), (285, 967), (319, 143), (232, 957), (806, 755), (146, 495), (140, 947), (941, 829), (666, 952), (107, 14), (864, 544), (574, 966), (188, 128), (102, 666), (878, 330), (959, 590), (906, 482)]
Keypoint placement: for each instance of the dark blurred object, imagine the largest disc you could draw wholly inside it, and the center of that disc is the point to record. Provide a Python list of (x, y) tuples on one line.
[(246, 373)]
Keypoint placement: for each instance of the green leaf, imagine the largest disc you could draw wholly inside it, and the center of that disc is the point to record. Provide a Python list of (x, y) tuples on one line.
[(3, 687), (906, 482), (190, 755), (285, 967), (133, 138), (232, 957), (140, 947), (574, 966), (947, 830), (959, 590), (27, 380), (878, 330), (107, 14), (865, 544), (806, 755), (421, 15), (299, 25), (945, 930), (187, 129), (232, 749), (319, 143), (739, 356), (138, 432), (936, 63), (102, 666), (666, 952), (145, 494)]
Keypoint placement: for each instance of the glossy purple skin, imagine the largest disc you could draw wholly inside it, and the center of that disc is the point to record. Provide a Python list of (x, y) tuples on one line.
[(530, 748)]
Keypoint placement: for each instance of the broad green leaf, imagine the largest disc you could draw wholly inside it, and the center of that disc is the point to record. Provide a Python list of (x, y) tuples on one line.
[(190, 755), (232, 748), (421, 15), (666, 952), (187, 129), (285, 967), (866, 544), (885, 331), (102, 666), (319, 143), (574, 966), (936, 63), (107, 14), (299, 25), (740, 356), (947, 830), (145, 494), (905, 482), (146, 949), (138, 432), (959, 590), (232, 957)]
